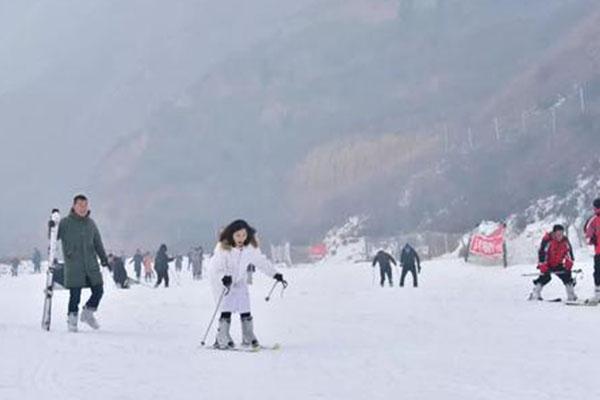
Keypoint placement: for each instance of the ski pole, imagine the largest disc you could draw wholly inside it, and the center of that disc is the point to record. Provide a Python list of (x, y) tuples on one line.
[(284, 286), (271, 291), (212, 320), (574, 272)]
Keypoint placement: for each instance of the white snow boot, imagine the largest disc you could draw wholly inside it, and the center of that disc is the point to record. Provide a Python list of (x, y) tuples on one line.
[(224, 340), (536, 293), (87, 316), (72, 322), (248, 337), (571, 296)]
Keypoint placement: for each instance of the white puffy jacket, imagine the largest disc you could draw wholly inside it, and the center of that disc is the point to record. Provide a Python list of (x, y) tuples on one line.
[(235, 262)]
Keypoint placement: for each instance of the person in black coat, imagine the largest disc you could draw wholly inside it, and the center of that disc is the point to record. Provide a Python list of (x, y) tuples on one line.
[(36, 258), (137, 260), (385, 261), (118, 270), (410, 261), (161, 265)]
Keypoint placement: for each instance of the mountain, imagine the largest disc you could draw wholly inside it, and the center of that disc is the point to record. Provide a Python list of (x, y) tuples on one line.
[(412, 115)]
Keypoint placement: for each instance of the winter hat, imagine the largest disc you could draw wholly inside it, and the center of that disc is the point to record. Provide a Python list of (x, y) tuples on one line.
[(597, 203)]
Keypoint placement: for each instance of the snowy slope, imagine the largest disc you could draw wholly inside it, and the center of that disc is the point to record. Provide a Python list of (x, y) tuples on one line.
[(467, 333)]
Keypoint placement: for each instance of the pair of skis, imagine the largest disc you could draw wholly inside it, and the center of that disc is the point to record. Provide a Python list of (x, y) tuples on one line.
[(52, 264), (584, 303), (258, 349)]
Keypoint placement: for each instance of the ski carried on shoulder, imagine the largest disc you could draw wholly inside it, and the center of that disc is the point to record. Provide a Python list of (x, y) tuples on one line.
[(52, 249)]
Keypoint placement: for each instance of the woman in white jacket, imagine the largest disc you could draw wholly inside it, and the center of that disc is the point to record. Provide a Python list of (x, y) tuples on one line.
[(236, 250)]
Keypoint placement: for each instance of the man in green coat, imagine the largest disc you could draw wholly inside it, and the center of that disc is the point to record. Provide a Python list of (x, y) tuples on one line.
[(82, 246)]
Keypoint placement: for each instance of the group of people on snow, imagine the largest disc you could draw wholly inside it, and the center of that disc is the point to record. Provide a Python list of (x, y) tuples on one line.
[(236, 249), (16, 262), (237, 252), (409, 261)]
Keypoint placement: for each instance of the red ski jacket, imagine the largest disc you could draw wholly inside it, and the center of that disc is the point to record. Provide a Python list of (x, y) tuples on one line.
[(592, 231), (554, 253)]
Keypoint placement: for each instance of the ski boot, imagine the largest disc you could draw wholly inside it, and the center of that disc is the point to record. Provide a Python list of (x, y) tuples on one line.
[(570, 288), (87, 316), (595, 299), (72, 322), (248, 337), (536, 293), (224, 340)]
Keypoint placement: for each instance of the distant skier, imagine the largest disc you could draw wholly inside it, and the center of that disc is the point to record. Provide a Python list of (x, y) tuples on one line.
[(82, 244), (385, 261), (178, 263), (161, 265), (592, 234), (148, 267), (237, 248), (198, 262), (118, 270), (555, 256), (137, 261), (36, 258), (410, 261), (14, 269)]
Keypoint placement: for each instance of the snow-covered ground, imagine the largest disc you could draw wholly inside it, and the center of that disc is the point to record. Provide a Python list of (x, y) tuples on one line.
[(466, 333)]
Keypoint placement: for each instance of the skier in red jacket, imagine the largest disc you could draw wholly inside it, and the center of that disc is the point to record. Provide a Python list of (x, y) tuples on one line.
[(592, 234), (555, 257)]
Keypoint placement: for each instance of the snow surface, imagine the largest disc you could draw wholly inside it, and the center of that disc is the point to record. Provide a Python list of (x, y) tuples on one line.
[(467, 333)]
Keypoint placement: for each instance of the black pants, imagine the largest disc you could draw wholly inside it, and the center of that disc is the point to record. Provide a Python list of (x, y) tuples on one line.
[(405, 271), (37, 268), (227, 315), (93, 302), (138, 271), (597, 270), (163, 275), (563, 274), (385, 271)]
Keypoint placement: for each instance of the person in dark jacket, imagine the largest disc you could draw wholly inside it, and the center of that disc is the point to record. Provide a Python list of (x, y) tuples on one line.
[(178, 263), (161, 265), (14, 270), (555, 256), (410, 262), (119, 272), (36, 258), (198, 261), (82, 246), (385, 261), (137, 260)]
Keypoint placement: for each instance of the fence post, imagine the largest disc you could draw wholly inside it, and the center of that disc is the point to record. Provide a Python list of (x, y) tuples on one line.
[(497, 128), (582, 98)]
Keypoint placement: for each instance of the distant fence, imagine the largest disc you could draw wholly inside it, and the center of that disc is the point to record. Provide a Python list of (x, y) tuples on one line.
[(427, 244)]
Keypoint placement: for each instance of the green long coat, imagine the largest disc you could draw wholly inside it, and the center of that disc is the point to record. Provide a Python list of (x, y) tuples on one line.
[(82, 245)]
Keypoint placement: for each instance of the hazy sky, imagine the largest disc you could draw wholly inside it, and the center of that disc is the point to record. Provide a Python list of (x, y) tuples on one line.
[(77, 75)]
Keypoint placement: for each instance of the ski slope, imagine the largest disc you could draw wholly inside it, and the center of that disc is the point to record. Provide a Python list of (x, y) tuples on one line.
[(466, 333)]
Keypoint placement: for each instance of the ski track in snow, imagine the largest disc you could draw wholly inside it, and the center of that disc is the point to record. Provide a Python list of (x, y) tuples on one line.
[(466, 333)]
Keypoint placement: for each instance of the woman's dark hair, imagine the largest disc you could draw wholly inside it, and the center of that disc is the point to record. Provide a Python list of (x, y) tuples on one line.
[(226, 236)]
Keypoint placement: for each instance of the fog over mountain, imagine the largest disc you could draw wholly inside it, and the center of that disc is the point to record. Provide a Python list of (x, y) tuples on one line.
[(178, 116)]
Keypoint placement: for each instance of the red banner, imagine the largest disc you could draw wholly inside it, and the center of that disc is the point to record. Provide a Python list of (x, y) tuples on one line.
[(318, 251), (488, 245)]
